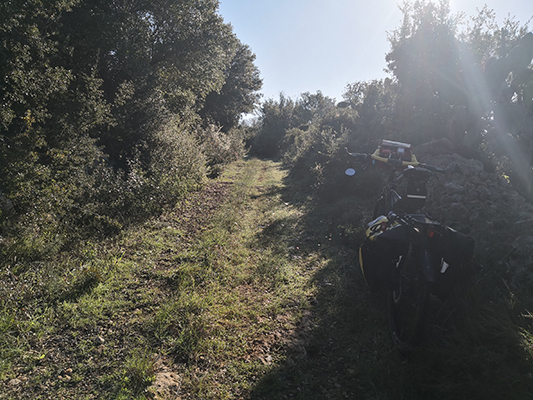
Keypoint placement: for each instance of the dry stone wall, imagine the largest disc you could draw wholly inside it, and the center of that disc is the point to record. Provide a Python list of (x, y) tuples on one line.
[(483, 205)]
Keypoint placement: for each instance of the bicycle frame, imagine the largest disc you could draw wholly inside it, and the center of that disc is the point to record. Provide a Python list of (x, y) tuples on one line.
[(415, 277), (425, 255), (390, 196)]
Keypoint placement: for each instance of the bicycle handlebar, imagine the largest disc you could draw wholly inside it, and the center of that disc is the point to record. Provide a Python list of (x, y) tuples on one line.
[(433, 168), (412, 219), (364, 156), (395, 163)]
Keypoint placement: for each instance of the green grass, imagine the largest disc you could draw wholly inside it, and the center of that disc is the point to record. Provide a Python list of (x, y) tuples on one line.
[(259, 296)]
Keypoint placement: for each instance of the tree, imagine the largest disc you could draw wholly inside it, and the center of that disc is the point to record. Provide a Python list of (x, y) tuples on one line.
[(97, 96), (473, 87), (425, 54), (373, 105), (276, 117), (425, 58), (44, 135), (238, 95), (156, 59), (311, 108)]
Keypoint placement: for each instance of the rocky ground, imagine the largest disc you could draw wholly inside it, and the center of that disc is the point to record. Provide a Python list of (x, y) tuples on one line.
[(484, 205)]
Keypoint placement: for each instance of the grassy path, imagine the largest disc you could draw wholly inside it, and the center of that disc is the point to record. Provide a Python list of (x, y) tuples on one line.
[(201, 302), (247, 290)]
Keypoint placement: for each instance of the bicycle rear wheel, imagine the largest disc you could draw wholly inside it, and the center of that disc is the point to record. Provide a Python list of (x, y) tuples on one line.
[(407, 305)]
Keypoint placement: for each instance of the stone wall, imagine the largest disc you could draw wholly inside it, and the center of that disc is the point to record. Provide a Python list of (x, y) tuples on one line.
[(481, 204)]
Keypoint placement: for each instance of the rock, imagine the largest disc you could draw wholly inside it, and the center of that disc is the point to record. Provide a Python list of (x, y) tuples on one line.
[(471, 196), (454, 187), (474, 217), (527, 222), (455, 198), (167, 382), (523, 246), (457, 211), (477, 202), (438, 146), (484, 193)]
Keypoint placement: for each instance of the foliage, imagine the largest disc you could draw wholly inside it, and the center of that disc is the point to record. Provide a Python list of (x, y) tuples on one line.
[(221, 148), (372, 112), (113, 111), (424, 56), (471, 87), (102, 122), (238, 94), (277, 117), (467, 82)]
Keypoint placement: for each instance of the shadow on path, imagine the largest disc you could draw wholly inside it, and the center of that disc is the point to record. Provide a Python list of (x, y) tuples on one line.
[(342, 347)]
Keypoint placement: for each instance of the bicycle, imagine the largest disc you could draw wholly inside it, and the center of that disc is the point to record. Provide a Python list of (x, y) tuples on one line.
[(409, 254), (416, 174)]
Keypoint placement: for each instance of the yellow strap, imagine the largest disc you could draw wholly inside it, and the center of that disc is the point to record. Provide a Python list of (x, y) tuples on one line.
[(414, 162)]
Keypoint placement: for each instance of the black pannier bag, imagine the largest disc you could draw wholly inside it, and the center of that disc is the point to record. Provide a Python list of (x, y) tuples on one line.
[(453, 246), (459, 248), (455, 251), (379, 255)]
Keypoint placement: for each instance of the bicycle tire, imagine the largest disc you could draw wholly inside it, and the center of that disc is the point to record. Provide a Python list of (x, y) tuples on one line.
[(379, 208), (407, 305)]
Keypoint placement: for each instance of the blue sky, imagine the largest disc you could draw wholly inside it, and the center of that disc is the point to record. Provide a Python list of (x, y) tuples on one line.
[(309, 45)]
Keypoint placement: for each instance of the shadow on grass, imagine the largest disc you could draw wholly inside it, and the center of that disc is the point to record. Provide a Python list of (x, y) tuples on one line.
[(475, 345)]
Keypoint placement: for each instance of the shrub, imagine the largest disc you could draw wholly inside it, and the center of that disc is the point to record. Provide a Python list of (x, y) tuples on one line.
[(178, 164), (221, 148)]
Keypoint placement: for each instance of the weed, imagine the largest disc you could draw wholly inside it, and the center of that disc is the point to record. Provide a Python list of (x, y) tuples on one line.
[(137, 375)]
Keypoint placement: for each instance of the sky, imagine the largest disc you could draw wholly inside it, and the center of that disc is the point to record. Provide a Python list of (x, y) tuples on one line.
[(311, 45)]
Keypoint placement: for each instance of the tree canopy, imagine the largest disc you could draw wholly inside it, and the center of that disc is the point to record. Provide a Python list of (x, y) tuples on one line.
[(98, 94), (467, 80)]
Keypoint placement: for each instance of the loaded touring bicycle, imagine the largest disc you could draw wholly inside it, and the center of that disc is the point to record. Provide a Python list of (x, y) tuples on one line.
[(405, 252)]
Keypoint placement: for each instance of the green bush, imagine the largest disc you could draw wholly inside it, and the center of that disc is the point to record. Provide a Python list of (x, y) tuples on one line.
[(178, 164), (276, 118), (221, 147)]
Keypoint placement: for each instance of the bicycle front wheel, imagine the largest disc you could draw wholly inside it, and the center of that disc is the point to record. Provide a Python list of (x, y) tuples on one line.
[(407, 306), (379, 208)]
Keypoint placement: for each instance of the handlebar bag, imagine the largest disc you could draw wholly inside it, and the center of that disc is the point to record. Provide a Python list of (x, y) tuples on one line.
[(395, 150)]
